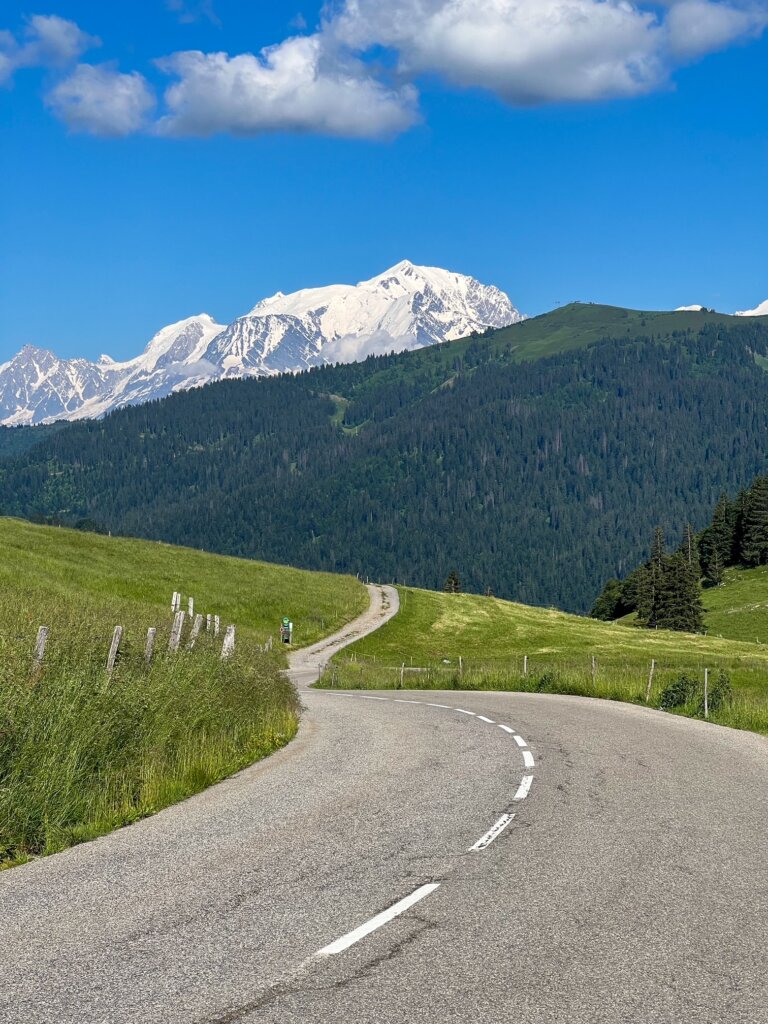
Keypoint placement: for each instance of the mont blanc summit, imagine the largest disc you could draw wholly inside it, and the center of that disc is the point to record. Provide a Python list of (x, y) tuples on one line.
[(406, 307)]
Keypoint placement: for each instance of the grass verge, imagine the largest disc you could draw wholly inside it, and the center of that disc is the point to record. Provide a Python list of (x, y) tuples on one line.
[(465, 642), (83, 752)]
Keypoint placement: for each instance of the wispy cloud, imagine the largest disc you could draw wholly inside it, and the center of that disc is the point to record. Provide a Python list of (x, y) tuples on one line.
[(45, 41), (189, 11)]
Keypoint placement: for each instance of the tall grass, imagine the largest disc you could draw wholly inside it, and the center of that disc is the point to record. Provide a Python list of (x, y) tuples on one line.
[(611, 680), (82, 753)]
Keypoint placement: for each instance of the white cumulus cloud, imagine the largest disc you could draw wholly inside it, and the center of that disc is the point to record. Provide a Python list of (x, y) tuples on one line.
[(100, 100), (295, 86), (334, 81), (536, 51), (46, 41), (698, 27)]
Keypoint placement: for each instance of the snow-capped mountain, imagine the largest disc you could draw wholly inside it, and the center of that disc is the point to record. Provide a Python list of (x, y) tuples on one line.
[(173, 361), (761, 310), (36, 386), (406, 307)]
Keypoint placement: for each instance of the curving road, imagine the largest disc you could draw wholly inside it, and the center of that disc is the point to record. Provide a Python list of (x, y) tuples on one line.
[(625, 881)]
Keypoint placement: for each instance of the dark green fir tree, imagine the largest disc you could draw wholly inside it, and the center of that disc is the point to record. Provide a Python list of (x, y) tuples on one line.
[(453, 583), (717, 542), (754, 542)]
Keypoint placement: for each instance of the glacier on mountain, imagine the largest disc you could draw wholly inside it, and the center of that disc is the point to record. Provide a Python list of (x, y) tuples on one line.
[(406, 307), (761, 310)]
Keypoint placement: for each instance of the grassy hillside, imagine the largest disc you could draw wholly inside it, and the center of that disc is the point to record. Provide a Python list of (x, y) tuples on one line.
[(735, 610), (117, 578), (493, 637), (82, 752), (738, 609), (579, 325)]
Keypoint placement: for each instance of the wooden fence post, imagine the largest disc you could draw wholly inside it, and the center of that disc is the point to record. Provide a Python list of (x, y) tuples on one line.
[(149, 647), (461, 667), (208, 623), (176, 630), (402, 675), (40, 645), (191, 607), (228, 648), (197, 625), (216, 625), (117, 636), (594, 670), (525, 666), (650, 682), (706, 693), (175, 601)]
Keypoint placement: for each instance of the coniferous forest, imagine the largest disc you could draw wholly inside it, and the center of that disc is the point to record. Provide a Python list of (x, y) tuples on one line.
[(532, 478), (665, 591)]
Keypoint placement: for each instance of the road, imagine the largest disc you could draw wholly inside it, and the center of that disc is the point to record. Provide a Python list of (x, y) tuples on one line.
[(569, 861)]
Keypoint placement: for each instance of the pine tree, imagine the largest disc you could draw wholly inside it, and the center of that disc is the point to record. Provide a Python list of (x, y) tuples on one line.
[(718, 542), (689, 548), (650, 583), (679, 604), (609, 605), (629, 589), (754, 542), (740, 507), (723, 528), (453, 583), (713, 569)]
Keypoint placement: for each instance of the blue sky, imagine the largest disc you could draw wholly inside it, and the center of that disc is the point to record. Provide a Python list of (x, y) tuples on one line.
[(627, 166)]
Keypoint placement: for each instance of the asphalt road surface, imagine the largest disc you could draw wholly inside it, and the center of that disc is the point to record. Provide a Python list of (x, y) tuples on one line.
[(560, 859)]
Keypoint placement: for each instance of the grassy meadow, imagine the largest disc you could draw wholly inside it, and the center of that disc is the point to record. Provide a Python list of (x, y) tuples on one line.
[(738, 608), (82, 752), (463, 641)]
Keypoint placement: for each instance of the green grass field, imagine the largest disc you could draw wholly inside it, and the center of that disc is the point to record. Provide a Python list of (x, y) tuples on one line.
[(492, 638), (739, 607), (81, 752)]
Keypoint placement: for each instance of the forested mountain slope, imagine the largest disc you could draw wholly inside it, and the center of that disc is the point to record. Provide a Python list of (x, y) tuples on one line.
[(535, 460), (15, 440)]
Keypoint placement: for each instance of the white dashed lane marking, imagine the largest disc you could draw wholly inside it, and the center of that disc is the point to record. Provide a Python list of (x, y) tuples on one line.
[(525, 788), (483, 843), (528, 760), (493, 833), (377, 922)]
